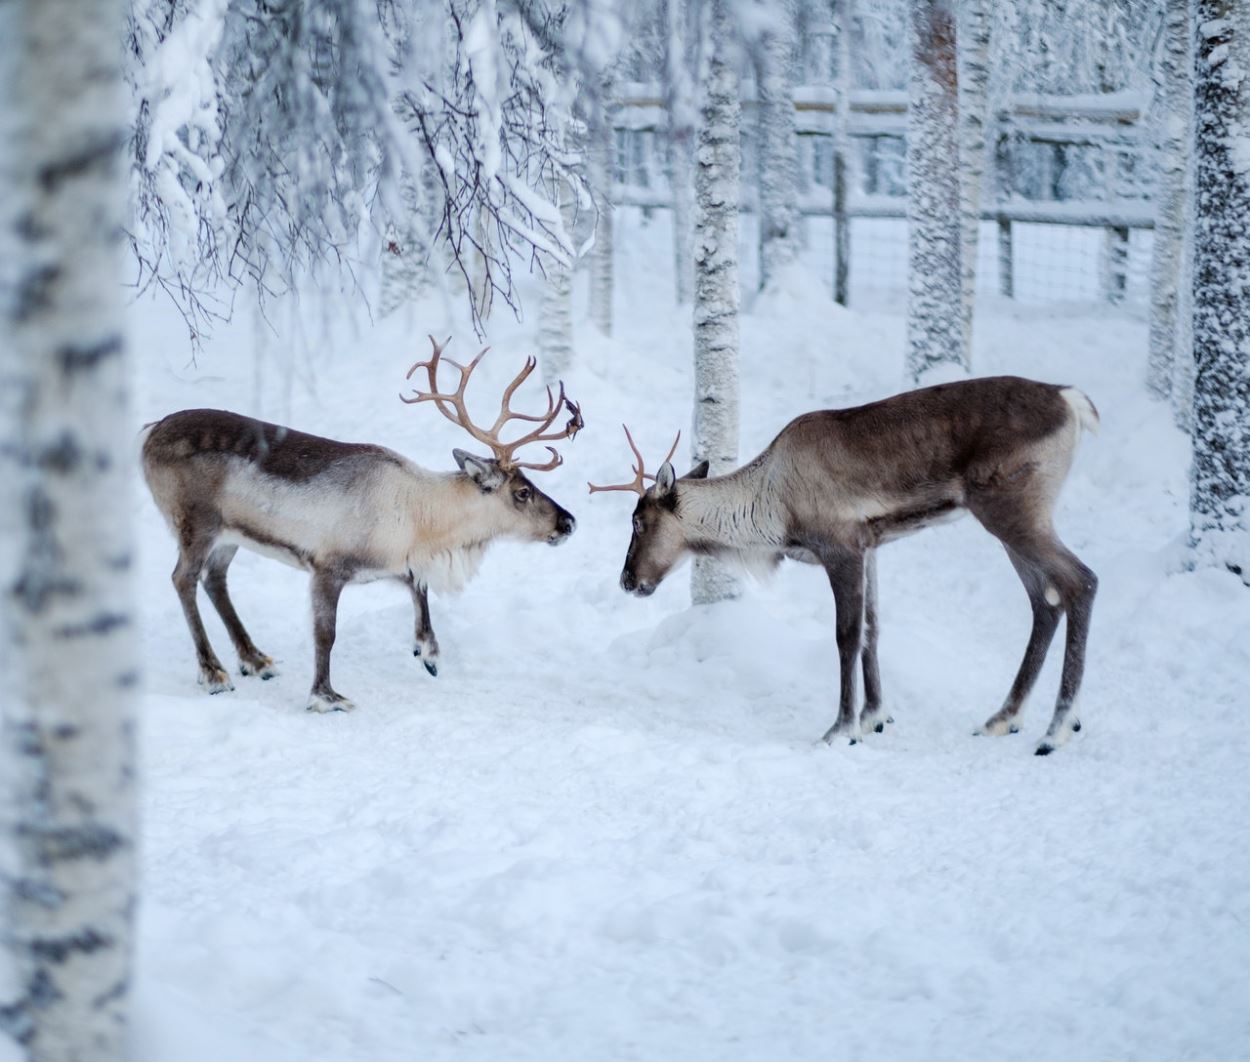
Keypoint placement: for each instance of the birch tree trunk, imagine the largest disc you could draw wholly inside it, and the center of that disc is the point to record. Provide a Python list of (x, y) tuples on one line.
[(842, 21), (1220, 487), (683, 214), (778, 145), (555, 311), (601, 256), (717, 295), (67, 653), (1182, 395), (682, 119), (1166, 266), (935, 332), (974, 76)]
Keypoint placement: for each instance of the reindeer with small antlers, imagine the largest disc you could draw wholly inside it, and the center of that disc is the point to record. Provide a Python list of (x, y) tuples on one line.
[(837, 483), (346, 512)]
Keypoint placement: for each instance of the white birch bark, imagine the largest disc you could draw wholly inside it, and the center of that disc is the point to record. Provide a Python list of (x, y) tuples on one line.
[(717, 295), (66, 635), (602, 254), (1182, 394), (1172, 119), (555, 312), (778, 144), (935, 332), (974, 77), (682, 177), (1220, 485), (682, 118), (842, 16)]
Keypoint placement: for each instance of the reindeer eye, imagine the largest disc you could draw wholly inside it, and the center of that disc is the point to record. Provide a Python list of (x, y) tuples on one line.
[(638, 525), (522, 494)]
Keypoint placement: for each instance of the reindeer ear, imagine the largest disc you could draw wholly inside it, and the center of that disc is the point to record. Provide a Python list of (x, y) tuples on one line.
[(699, 471), (482, 470), (664, 479)]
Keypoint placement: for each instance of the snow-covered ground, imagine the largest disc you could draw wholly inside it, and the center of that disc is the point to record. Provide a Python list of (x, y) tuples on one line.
[(607, 830)]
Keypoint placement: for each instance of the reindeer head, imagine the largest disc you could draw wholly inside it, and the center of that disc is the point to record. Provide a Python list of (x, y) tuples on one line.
[(521, 509), (659, 542)]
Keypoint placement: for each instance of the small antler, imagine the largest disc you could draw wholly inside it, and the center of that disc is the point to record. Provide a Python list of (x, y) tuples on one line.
[(452, 406), (640, 472)]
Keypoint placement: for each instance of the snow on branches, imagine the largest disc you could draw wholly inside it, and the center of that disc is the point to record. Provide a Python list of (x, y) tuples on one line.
[(496, 126), (273, 138)]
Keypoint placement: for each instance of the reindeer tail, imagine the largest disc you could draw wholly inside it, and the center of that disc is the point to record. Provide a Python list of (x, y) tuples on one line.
[(1085, 411)]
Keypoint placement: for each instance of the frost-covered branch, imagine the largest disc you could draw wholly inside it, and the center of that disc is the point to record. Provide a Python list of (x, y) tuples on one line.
[(275, 138)]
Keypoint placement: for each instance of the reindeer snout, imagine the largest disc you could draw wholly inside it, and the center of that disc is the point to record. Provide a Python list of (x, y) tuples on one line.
[(565, 526), (631, 585)]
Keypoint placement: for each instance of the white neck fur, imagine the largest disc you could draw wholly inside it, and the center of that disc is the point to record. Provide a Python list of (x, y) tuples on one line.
[(736, 511)]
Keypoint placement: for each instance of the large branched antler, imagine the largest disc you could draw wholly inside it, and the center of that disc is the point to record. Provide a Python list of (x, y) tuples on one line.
[(640, 472), (452, 406)]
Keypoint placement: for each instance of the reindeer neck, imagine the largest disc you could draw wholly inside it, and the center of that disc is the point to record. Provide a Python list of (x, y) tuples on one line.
[(442, 526), (734, 511)]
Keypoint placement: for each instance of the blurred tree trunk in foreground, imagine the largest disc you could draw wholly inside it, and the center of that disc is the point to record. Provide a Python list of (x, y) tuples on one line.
[(67, 652)]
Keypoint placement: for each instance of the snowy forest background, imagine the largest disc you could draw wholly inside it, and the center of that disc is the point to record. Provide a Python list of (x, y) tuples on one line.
[(605, 830)]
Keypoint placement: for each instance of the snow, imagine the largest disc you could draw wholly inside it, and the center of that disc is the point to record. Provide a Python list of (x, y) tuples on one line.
[(607, 829)]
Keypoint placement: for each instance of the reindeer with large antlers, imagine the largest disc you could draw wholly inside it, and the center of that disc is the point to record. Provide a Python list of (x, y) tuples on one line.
[(837, 483), (346, 512)]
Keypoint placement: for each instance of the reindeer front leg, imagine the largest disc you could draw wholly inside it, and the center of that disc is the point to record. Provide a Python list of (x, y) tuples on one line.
[(846, 577), (871, 717), (425, 644), (845, 572), (327, 585)]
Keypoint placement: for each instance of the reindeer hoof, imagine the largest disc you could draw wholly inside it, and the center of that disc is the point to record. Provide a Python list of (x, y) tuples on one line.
[(428, 652), (834, 732), (329, 702), (872, 720), (215, 680), (262, 667), (997, 727), (1053, 739)]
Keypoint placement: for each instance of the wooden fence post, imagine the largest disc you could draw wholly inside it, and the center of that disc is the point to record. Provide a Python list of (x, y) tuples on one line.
[(1006, 277), (1115, 264)]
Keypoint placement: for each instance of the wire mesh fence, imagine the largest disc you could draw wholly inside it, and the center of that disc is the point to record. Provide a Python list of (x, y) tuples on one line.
[(1070, 219), (1051, 263)]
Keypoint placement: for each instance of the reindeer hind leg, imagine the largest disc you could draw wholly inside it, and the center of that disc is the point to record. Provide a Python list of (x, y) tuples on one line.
[(251, 660), (195, 543), (1057, 582), (1077, 586), (1046, 613)]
